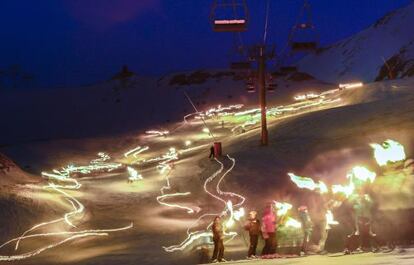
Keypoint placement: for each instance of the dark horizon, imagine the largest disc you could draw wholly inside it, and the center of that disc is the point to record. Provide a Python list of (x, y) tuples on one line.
[(73, 43)]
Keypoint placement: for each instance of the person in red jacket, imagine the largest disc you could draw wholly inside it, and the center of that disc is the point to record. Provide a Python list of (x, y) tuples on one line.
[(253, 227), (269, 231)]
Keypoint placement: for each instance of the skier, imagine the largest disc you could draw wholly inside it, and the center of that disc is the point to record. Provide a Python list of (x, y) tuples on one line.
[(268, 231), (253, 226), (307, 226), (211, 152), (218, 236)]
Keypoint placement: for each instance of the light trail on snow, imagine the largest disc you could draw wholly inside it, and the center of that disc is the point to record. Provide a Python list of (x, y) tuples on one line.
[(136, 151), (59, 176), (228, 207), (157, 133), (163, 166)]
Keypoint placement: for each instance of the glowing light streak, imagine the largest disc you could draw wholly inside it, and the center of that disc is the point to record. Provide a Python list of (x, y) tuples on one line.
[(74, 235), (188, 241), (361, 174), (221, 110), (133, 174), (351, 85), (282, 208), (238, 214), (213, 112), (306, 96), (308, 183), (389, 151), (161, 199), (136, 151), (157, 133), (246, 112), (346, 190), (231, 194), (234, 214), (230, 221), (245, 125), (60, 176), (330, 219), (290, 222), (163, 166)]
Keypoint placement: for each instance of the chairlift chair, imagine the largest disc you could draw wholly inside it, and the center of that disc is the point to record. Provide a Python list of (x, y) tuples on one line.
[(230, 25), (250, 88), (250, 85), (303, 37), (271, 87), (229, 15)]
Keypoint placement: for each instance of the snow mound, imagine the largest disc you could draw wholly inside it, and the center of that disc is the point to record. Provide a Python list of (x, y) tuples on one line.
[(10, 173)]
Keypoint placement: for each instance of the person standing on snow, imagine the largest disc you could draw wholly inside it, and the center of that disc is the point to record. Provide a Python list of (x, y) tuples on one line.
[(253, 226), (362, 206), (268, 231), (211, 152), (307, 227), (218, 236)]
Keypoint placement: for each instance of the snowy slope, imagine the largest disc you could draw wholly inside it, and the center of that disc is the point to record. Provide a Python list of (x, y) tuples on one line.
[(110, 108), (361, 56), (321, 144)]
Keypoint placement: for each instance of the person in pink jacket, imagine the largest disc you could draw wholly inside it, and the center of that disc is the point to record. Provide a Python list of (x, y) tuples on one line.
[(268, 231)]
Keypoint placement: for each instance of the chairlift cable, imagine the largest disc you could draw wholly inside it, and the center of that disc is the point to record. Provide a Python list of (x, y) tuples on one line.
[(266, 22), (195, 108)]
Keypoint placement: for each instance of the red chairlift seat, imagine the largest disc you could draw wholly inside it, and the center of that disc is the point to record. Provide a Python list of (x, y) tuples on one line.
[(250, 85), (230, 25), (271, 87), (250, 89)]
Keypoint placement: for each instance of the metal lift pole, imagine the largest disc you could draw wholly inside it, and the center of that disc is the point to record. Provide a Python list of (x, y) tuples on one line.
[(262, 92)]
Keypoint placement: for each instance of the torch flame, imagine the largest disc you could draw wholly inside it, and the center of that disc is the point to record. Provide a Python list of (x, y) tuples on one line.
[(346, 190), (362, 174), (308, 183), (133, 174), (293, 223), (389, 151), (330, 219), (282, 208)]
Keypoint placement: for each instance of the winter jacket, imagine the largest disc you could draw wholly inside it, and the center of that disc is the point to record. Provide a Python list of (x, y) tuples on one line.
[(218, 231), (253, 226), (268, 222)]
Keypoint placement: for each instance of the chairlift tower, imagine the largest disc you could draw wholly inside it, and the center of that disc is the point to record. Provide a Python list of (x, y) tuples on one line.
[(232, 16), (261, 54)]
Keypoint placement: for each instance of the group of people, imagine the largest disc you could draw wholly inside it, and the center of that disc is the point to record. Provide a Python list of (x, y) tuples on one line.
[(266, 228), (256, 228)]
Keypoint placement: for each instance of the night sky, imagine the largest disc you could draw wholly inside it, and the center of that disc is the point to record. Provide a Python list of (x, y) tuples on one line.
[(76, 42)]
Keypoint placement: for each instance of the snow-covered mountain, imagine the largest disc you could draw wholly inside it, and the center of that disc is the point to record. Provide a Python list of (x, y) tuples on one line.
[(363, 55)]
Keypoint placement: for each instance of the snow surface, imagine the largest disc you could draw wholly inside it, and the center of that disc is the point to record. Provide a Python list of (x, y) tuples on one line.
[(109, 108), (324, 144), (399, 256)]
